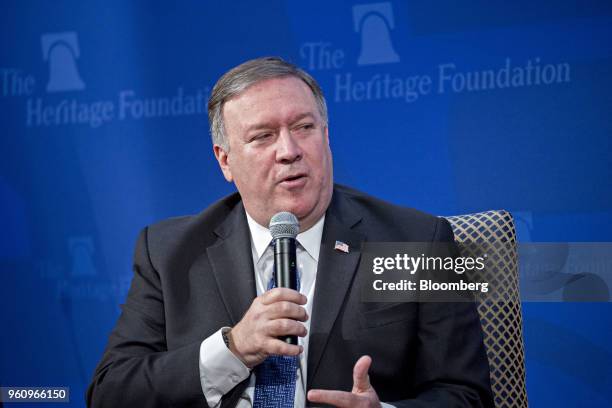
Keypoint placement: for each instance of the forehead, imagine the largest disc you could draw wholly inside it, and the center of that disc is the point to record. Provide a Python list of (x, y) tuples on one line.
[(273, 100)]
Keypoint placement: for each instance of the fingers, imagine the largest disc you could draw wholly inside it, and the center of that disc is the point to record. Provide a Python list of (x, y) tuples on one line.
[(362, 395), (277, 347), (283, 294), (284, 309), (286, 327), (276, 313), (340, 399), (361, 379)]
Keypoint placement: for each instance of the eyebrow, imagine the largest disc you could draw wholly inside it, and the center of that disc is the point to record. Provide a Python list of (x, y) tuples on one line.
[(269, 125)]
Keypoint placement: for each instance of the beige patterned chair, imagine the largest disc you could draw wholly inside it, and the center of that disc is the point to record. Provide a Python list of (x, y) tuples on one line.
[(502, 320)]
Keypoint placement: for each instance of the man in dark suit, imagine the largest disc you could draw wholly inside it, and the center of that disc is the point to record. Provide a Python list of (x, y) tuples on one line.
[(200, 326)]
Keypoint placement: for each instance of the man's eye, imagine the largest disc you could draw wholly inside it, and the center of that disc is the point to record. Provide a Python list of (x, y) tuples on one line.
[(306, 126), (261, 137)]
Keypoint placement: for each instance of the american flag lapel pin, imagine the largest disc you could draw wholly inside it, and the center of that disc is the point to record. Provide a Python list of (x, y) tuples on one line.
[(341, 246)]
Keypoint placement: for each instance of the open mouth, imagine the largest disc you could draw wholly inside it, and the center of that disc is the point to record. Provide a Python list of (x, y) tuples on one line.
[(294, 181)]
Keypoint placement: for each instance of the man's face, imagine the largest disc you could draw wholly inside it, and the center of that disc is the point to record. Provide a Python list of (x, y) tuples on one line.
[(279, 155)]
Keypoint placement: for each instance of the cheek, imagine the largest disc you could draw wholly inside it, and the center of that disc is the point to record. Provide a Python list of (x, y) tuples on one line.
[(323, 163), (254, 168), (319, 154)]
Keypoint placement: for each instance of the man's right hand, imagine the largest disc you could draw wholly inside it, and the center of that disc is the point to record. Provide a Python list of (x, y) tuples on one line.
[(277, 312)]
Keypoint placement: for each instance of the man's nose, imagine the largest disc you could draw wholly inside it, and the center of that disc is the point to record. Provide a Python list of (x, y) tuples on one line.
[(287, 148)]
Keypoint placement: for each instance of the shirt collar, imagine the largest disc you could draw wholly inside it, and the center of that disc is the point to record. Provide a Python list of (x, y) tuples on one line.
[(310, 239)]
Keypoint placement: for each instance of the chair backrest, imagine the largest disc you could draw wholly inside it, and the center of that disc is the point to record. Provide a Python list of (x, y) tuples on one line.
[(502, 320)]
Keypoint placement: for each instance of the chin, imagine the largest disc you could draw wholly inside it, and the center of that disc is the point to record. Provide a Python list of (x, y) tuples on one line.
[(297, 208)]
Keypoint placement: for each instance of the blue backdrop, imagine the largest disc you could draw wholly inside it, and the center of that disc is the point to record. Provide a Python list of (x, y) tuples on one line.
[(104, 130)]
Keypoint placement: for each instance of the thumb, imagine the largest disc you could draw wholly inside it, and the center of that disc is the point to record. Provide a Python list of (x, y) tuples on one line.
[(361, 380)]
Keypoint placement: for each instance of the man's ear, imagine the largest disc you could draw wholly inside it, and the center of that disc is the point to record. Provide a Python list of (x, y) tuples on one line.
[(222, 157)]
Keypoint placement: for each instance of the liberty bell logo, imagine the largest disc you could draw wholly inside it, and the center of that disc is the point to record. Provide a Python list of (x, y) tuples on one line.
[(374, 22), (61, 50)]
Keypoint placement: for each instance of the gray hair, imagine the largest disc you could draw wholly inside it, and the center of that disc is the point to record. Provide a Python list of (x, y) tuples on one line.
[(238, 79)]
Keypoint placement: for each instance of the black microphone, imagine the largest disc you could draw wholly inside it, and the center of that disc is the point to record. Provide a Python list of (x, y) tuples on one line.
[(284, 227)]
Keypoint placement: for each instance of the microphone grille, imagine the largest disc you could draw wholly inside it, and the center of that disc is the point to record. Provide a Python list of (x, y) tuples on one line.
[(284, 225)]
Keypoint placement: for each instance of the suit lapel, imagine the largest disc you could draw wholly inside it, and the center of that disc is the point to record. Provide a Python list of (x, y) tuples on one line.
[(334, 276), (232, 264)]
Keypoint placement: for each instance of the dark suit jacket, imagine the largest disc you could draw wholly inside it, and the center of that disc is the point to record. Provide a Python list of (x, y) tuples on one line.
[(193, 275)]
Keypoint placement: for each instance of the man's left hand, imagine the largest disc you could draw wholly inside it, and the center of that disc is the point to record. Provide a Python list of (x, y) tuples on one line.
[(362, 395)]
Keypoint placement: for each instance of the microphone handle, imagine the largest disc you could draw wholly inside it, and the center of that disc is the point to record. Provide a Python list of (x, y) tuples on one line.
[(285, 270)]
